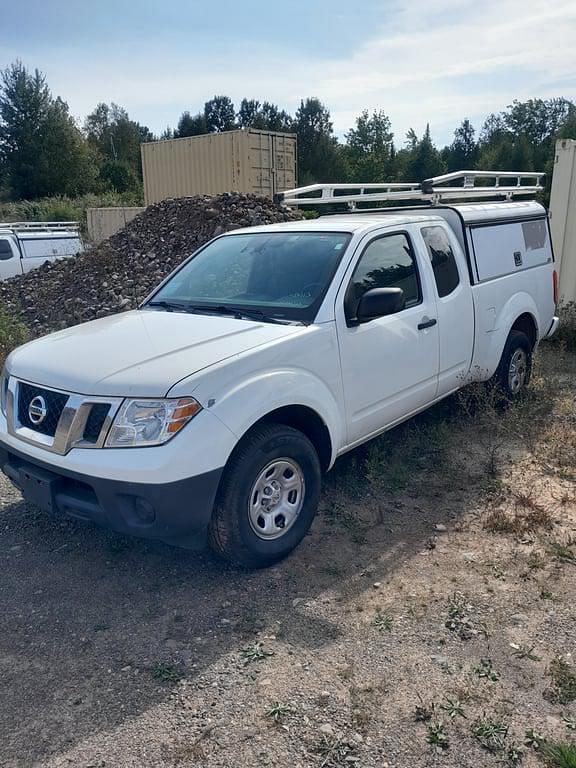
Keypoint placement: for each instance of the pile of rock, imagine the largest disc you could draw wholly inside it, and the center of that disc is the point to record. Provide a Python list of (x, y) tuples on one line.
[(117, 274)]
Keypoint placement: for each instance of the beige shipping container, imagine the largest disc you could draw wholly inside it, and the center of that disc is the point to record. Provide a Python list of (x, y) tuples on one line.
[(250, 161), (102, 223)]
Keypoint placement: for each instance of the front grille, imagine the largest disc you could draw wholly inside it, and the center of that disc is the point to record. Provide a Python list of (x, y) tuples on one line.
[(95, 422), (55, 402)]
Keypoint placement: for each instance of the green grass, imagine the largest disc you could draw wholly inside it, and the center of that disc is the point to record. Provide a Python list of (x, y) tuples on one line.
[(560, 755), (382, 622), (437, 736), (563, 551), (166, 672), (255, 652), (486, 671), (563, 682), (491, 734), (62, 208), (12, 334), (453, 707), (533, 739), (565, 336), (278, 711)]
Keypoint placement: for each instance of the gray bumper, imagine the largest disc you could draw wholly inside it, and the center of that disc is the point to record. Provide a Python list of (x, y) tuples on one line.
[(176, 513)]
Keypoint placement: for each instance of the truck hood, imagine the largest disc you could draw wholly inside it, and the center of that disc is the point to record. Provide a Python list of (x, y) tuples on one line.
[(142, 353)]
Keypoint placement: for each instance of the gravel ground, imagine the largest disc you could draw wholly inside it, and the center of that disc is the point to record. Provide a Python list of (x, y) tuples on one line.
[(440, 569)]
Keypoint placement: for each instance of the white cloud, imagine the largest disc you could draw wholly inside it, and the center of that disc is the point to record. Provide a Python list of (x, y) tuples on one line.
[(436, 62)]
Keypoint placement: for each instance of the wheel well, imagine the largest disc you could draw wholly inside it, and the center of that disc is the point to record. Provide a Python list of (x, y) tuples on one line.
[(307, 421), (527, 325)]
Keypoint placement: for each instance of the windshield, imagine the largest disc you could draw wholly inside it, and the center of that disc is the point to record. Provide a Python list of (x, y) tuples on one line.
[(279, 275)]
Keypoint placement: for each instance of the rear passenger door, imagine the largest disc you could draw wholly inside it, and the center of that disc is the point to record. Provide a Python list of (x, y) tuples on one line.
[(454, 303), (389, 364)]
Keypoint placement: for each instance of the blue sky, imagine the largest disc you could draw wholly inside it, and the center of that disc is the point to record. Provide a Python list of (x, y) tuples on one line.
[(418, 60)]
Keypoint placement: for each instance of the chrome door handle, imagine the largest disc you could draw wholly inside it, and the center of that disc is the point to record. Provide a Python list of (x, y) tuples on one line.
[(427, 323)]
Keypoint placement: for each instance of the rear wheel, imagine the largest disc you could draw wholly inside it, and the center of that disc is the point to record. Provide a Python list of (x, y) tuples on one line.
[(267, 498), (513, 373)]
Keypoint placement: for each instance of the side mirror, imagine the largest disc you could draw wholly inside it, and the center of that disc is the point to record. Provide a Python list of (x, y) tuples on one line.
[(379, 302)]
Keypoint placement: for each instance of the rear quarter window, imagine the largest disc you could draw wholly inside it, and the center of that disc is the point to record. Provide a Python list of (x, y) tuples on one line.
[(5, 249), (443, 260)]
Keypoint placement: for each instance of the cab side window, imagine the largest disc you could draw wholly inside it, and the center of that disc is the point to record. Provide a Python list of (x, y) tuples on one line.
[(387, 262), (5, 249), (442, 258)]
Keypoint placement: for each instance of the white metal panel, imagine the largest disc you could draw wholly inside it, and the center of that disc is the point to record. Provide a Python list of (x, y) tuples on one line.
[(563, 217), (503, 249), (105, 222), (50, 247)]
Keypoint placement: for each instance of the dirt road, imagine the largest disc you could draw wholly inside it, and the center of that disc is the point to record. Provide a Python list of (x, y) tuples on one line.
[(429, 618)]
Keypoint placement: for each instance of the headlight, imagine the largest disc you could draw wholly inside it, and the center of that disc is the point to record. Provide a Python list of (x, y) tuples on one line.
[(150, 422)]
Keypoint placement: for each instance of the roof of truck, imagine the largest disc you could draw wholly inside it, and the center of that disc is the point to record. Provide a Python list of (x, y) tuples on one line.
[(366, 219), (473, 212), (347, 222)]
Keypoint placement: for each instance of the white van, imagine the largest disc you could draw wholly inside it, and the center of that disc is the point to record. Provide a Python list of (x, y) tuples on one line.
[(25, 245), (216, 406)]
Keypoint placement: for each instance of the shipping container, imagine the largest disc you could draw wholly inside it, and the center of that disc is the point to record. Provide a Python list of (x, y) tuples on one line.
[(102, 223), (260, 162)]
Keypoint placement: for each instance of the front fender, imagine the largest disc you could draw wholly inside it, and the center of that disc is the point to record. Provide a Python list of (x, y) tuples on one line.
[(249, 399)]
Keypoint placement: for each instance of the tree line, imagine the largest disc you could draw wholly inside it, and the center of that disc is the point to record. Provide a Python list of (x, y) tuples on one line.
[(44, 152)]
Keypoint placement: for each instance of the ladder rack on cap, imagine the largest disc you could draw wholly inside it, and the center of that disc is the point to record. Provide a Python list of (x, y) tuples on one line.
[(460, 185), (40, 226)]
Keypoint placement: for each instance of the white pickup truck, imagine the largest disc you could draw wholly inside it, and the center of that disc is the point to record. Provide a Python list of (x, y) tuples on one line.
[(217, 405), (25, 245)]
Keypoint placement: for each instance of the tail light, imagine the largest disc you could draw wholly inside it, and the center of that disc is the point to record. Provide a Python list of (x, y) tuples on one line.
[(555, 286)]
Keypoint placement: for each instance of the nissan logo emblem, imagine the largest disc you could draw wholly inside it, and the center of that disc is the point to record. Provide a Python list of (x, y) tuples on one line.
[(37, 410)]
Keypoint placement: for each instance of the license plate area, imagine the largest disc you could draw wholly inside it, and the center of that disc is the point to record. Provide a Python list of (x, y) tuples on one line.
[(37, 488)]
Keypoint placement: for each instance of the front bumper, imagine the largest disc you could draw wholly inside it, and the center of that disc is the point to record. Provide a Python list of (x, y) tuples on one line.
[(176, 512)]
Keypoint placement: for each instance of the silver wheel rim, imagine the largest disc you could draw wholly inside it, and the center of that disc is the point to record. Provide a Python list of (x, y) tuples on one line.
[(276, 499), (517, 371)]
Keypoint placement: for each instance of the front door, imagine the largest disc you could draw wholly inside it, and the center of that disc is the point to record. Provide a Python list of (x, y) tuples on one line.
[(390, 364)]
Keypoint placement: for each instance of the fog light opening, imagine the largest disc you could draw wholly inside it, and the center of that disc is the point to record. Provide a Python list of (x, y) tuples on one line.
[(144, 510)]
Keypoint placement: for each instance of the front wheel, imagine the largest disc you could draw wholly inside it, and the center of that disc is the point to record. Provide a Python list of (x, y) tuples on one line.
[(268, 496), (513, 373)]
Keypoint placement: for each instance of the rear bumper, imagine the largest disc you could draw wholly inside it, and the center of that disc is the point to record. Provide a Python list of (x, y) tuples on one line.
[(176, 513), (553, 327)]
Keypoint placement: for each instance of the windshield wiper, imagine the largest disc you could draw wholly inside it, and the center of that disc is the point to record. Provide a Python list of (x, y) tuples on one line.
[(243, 313), (239, 313), (168, 305)]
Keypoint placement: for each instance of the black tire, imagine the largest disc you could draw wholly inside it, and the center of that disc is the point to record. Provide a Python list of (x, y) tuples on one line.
[(516, 344), (231, 533)]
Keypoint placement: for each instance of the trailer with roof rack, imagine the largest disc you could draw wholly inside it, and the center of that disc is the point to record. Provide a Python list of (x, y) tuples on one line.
[(25, 245)]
